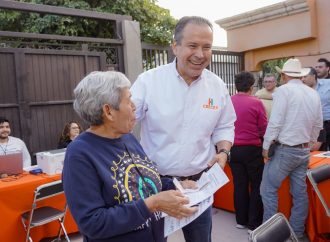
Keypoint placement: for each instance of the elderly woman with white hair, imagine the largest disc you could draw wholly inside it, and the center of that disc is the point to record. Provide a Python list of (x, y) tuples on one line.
[(113, 190)]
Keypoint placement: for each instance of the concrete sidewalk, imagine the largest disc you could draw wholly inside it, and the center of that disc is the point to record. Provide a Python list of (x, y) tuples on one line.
[(223, 230)]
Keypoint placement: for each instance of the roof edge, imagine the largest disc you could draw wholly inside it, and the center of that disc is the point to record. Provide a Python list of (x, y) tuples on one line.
[(286, 8)]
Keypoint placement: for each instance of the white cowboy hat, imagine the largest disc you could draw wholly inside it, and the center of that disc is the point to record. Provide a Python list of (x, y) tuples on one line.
[(292, 67)]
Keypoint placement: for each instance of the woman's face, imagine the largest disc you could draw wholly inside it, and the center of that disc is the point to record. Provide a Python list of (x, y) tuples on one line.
[(74, 131), (124, 118)]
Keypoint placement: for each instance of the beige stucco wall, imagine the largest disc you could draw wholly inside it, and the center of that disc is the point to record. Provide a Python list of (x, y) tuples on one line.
[(305, 35), (277, 31)]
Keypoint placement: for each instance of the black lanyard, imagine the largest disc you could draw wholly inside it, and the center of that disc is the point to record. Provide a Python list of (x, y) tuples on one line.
[(145, 184), (4, 149)]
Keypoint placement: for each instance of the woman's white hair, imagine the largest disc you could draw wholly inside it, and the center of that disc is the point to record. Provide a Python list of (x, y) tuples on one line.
[(95, 90)]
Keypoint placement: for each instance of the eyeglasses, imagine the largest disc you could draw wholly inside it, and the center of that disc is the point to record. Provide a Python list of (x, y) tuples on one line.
[(74, 128)]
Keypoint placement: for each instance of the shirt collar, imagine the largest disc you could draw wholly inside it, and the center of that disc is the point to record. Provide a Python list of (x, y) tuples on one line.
[(321, 82), (173, 64)]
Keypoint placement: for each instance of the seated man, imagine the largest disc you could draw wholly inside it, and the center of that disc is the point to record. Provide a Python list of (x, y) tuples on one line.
[(9, 144)]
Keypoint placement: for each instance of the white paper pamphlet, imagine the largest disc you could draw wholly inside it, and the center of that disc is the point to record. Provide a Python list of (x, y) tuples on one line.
[(207, 185), (172, 224)]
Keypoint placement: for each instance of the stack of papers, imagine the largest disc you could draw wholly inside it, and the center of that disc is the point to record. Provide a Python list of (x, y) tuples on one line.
[(207, 185)]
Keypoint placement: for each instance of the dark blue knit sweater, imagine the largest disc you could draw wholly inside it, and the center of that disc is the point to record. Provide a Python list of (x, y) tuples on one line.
[(104, 188)]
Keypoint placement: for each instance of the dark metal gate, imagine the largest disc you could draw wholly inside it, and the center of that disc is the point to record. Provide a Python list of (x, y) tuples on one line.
[(39, 71), (36, 91), (223, 63), (227, 64)]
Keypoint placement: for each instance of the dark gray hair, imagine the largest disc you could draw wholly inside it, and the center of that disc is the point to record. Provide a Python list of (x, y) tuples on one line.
[(326, 62), (312, 72), (244, 81), (95, 90), (188, 20), (4, 120)]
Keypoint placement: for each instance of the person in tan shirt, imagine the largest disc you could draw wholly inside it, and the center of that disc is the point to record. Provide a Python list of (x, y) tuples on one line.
[(265, 94)]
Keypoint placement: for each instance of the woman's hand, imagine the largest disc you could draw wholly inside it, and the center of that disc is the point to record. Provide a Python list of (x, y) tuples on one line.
[(74, 136), (171, 202)]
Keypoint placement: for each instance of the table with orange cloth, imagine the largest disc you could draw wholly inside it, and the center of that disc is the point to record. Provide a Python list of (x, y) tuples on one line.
[(224, 197), (317, 222), (16, 197)]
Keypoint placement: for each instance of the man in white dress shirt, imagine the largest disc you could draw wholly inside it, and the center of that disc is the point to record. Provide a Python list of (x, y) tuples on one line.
[(323, 88), (185, 112), (10, 144), (294, 124)]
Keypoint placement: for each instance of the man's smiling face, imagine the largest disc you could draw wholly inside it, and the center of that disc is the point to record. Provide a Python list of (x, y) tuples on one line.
[(194, 51), (4, 130)]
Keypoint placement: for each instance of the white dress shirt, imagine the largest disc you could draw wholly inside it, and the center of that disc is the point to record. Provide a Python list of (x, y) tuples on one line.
[(180, 124), (296, 116), (16, 145)]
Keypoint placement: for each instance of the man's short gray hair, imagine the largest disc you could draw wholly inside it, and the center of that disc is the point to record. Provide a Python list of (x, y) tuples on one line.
[(95, 90), (271, 75), (184, 21)]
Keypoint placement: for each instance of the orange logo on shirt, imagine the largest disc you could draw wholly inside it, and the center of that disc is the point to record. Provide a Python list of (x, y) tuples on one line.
[(210, 105)]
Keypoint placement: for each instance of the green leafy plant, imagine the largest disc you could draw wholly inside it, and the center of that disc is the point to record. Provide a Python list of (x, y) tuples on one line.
[(269, 66), (156, 23)]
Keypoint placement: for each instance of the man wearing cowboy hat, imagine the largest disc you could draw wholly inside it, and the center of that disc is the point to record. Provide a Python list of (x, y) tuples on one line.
[(294, 124)]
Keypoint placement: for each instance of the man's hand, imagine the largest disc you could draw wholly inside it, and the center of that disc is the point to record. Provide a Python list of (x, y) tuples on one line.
[(265, 155), (315, 145), (221, 159)]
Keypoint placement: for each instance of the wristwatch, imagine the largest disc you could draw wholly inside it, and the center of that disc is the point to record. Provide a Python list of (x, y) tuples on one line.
[(227, 152)]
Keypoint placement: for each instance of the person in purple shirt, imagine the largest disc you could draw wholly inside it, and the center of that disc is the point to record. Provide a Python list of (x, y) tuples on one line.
[(246, 154)]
